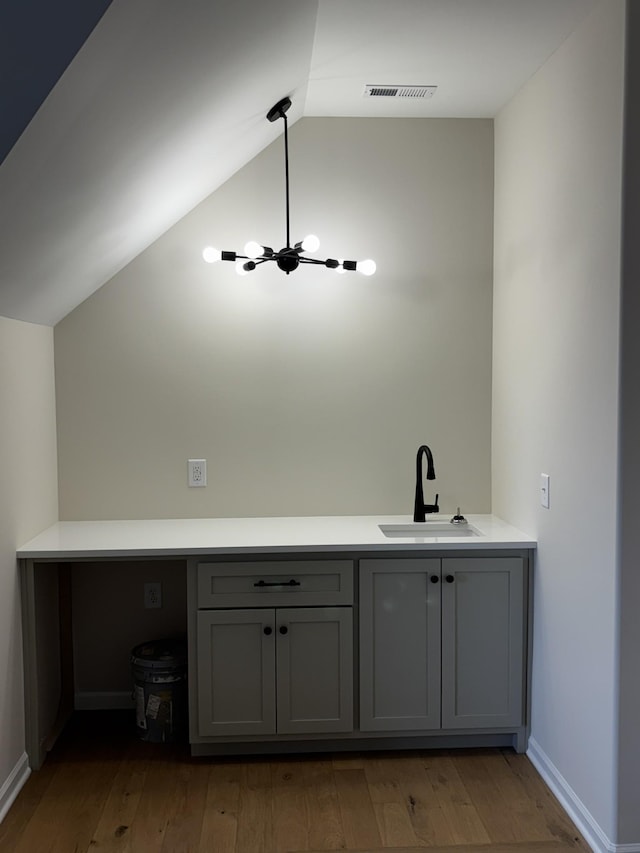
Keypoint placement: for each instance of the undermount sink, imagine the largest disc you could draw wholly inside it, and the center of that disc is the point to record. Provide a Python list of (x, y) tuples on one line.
[(421, 529)]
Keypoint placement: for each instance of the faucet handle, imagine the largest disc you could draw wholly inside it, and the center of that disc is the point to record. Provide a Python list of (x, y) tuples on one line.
[(432, 507), (459, 519)]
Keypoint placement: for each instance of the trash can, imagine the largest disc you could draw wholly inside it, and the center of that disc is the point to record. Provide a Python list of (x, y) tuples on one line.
[(159, 670)]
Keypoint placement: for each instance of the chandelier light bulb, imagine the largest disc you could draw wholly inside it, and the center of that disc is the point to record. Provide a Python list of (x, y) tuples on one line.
[(340, 269), (367, 267), (311, 243), (211, 255), (253, 249), (240, 268)]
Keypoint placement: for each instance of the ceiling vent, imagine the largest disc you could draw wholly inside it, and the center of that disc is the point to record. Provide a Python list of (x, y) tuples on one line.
[(390, 91)]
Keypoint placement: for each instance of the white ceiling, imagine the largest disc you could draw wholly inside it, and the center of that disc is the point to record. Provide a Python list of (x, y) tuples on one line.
[(166, 100)]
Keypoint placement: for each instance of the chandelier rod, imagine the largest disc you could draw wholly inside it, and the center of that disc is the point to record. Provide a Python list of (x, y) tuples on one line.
[(286, 173), (280, 111)]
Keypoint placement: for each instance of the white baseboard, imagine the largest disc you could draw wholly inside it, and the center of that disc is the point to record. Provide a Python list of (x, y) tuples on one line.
[(13, 784), (86, 700), (573, 805)]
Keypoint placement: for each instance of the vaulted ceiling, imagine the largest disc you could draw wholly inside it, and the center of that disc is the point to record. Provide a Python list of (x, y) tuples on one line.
[(122, 116)]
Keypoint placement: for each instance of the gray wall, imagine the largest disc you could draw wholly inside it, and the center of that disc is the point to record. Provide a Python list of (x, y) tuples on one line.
[(28, 504), (555, 397), (307, 394)]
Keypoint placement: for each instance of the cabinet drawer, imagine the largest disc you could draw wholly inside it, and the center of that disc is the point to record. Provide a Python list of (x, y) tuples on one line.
[(275, 584)]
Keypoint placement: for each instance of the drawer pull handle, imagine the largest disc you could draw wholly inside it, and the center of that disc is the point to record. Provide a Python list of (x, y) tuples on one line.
[(292, 582), (283, 629), (267, 630), (450, 578), (434, 578)]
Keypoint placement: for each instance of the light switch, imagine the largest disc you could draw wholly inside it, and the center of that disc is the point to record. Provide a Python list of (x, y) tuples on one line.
[(544, 490)]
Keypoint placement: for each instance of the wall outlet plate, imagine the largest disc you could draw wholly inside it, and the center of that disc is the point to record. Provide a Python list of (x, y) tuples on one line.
[(152, 595), (197, 469), (544, 490)]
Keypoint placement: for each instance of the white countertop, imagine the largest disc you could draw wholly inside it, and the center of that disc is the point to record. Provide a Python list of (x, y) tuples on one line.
[(75, 540)]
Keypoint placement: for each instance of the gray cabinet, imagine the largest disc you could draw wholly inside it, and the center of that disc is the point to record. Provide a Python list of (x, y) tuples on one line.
[(314, 665), (483, 642), (280, 669), (267, 671), (260, 583), (236, 667), (442, 643), (399, 645)]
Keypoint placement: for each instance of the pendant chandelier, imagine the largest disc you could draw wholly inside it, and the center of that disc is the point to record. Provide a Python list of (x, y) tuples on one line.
[(289, 258)]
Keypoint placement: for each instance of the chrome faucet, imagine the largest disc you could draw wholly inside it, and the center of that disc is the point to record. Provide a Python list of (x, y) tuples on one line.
[(420, 507)]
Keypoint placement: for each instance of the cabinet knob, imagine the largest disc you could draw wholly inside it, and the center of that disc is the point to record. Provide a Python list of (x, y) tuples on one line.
[(283, 629), (434, 578), (450, 578), (268, 630)]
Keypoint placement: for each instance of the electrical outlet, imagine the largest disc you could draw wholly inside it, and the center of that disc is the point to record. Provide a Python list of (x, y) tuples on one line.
[(152, 595), (197, 472)]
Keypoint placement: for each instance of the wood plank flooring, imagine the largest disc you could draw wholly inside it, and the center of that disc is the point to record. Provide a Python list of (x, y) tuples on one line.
[(104, 791)]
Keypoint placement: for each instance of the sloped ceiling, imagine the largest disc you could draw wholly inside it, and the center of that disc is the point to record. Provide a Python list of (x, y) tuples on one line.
[(164, 101)]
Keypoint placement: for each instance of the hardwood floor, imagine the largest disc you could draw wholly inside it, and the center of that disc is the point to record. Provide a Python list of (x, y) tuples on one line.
[(103, 790)]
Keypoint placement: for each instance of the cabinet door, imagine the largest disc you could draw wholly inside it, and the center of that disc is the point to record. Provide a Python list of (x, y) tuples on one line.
[(482, 642), (314, 669), (399, 645), (236, 672)]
